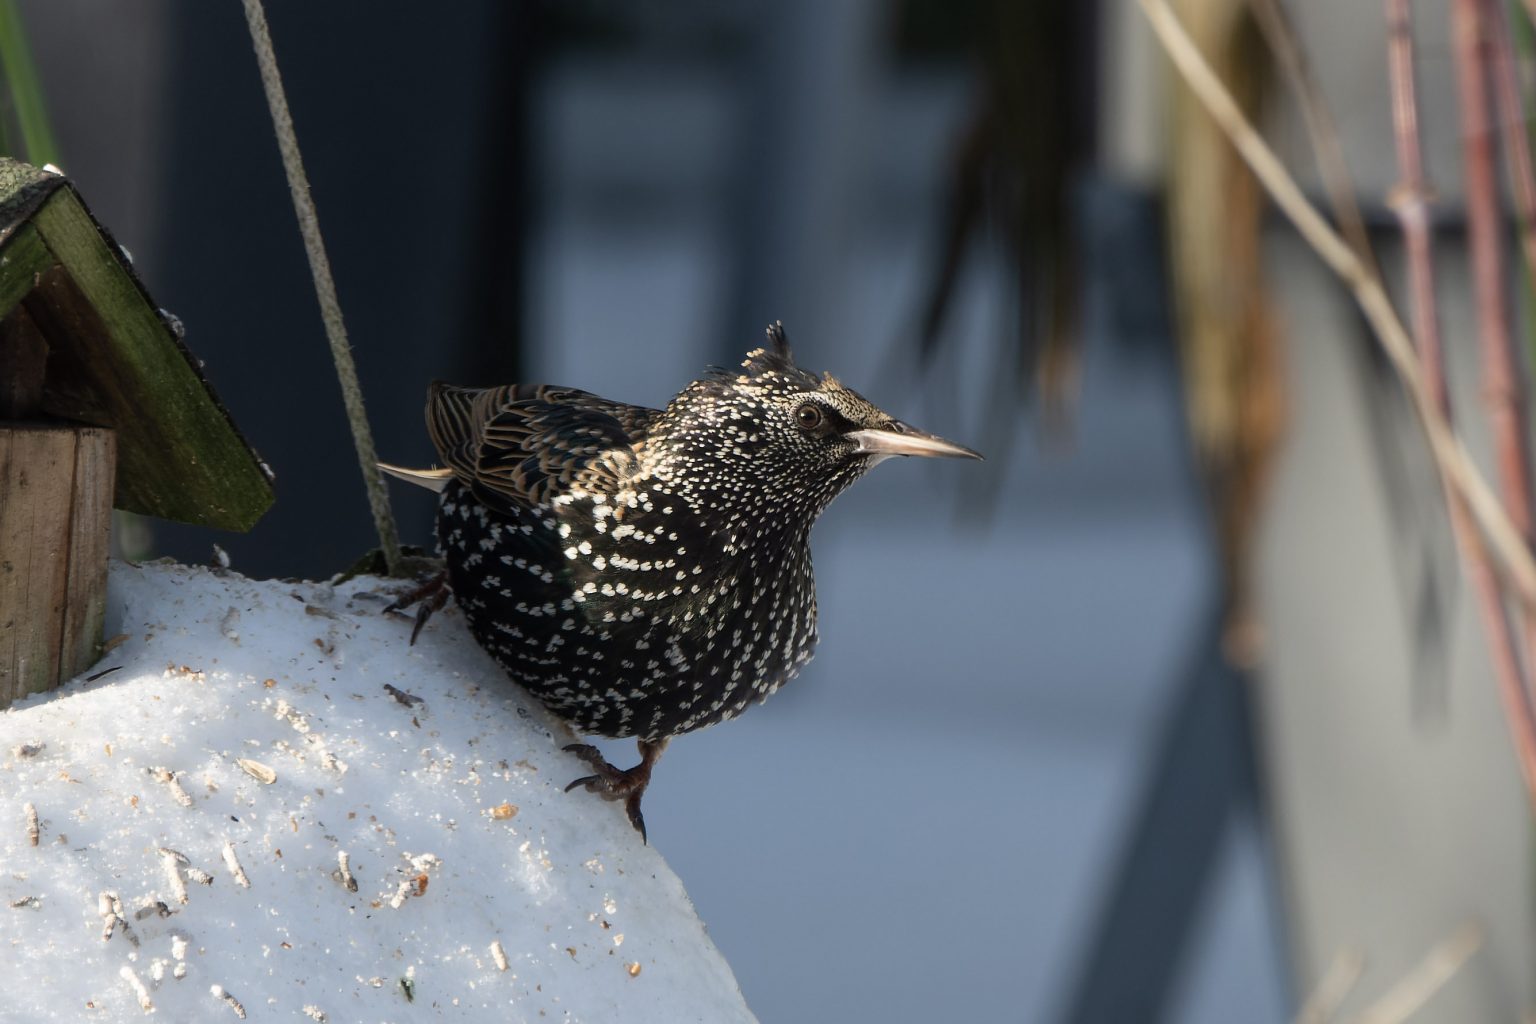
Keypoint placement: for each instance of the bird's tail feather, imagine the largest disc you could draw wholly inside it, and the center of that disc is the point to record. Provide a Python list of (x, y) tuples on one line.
[(431, 479)]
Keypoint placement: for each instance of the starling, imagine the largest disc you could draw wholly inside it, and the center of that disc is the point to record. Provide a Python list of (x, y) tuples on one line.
[(647, 572)]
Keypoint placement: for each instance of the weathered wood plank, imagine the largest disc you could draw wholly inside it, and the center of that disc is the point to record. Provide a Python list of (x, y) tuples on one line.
[(90, 542), (22, 258), (36, 494)]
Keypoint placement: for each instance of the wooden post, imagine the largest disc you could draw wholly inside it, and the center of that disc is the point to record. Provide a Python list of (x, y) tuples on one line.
[(55, 522), (56, 482)]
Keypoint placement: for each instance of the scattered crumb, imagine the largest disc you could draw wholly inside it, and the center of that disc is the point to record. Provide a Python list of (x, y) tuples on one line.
[(256, 770)]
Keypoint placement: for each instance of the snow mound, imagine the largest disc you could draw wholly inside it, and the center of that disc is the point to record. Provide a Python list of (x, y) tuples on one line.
[(274, 806)]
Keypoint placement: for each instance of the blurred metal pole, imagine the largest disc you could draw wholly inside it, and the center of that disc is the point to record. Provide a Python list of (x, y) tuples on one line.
[(1201, 783), (1202, 780), (806, 100)]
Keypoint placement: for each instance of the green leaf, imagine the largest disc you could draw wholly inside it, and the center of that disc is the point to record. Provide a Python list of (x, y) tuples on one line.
[(26, 91)]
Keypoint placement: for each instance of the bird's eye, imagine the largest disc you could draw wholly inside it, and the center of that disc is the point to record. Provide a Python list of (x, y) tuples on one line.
[(808, 416)]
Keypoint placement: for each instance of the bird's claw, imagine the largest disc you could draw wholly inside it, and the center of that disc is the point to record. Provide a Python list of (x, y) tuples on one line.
[(589, 781), (610, 783), (632, 809), (590, 754), (431, 594)]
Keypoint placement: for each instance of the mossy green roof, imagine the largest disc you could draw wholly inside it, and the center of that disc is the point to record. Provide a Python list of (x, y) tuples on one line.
[(116, 359)]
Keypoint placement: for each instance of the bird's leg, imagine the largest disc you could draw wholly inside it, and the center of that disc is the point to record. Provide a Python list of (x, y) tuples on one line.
[(610, 783), (431, 594)]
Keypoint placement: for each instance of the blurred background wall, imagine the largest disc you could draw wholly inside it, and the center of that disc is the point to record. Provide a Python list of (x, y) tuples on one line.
[(1019, 782)]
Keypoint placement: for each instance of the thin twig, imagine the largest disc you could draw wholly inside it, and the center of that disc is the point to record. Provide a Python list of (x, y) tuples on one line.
[(1333, 988), (1429, 976), (1502, 390), (1517, 145), (1280, 34), (1485, 229), (325, 288), (1507, 547), (1410, 200)]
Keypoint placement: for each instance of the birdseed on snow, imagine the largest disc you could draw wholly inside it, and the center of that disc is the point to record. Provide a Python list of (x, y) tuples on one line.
[(256, 770), (218, 992), (344, 871), (402, 797), (134, 982), (172, 783), (173, 877), (232, 861)]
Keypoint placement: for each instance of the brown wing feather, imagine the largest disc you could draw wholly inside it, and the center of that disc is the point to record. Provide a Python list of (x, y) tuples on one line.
[(525, 443)]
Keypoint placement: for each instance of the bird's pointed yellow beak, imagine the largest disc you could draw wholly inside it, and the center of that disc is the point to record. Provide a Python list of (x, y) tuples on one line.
[(899, 439)]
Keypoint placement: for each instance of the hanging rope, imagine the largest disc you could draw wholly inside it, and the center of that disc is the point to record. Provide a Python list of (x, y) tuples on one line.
[(325, 288)]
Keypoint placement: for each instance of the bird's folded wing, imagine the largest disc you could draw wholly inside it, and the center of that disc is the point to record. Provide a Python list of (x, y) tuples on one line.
[(524, 444)]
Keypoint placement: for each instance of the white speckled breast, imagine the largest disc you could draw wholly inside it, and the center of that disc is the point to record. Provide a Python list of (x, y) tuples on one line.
[(626, 614)]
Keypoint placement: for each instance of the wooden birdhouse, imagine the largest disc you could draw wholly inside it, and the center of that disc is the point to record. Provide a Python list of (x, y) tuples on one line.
[(101, 407)]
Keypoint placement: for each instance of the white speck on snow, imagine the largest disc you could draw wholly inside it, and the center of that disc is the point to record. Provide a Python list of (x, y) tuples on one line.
[(463, 910)]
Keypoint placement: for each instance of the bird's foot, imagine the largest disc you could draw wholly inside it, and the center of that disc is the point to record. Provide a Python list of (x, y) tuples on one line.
[(610, 783), (429, 595)]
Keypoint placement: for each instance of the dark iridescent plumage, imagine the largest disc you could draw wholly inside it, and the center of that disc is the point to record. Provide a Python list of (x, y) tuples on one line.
[(647, 572)]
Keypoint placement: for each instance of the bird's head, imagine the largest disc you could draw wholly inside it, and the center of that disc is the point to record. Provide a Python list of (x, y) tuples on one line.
[(776, 430)]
